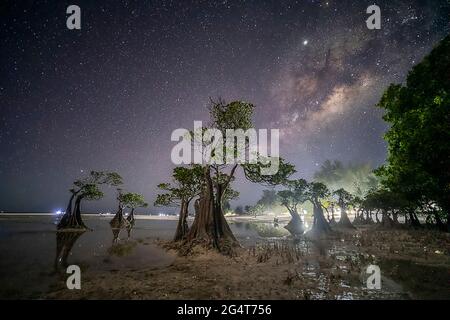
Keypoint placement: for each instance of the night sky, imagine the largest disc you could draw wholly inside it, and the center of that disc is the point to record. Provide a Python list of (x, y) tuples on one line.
[(108, 96)]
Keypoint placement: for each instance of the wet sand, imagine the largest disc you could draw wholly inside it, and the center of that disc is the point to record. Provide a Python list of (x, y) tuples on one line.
[(332, 268), (270, 264)]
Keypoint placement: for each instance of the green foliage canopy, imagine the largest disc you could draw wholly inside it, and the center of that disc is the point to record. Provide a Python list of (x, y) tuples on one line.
[(419, 135)]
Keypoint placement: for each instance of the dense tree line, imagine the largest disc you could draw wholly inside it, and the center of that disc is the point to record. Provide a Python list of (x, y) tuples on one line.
[(418, 164)]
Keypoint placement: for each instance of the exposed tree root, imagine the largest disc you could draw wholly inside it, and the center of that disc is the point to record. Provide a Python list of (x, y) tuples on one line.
[(295, 227), (197, 246)]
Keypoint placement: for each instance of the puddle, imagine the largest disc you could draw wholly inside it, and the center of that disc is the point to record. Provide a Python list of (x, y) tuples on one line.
[(33, 255), (335, 268)]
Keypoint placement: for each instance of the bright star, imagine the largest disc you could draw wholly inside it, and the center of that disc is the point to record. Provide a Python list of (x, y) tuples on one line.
[(305, 42)]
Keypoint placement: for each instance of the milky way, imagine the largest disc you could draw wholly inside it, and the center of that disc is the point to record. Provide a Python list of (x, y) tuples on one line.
[(109, 95)]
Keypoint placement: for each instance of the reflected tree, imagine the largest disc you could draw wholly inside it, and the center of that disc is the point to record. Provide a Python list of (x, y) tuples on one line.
[(64, 244)]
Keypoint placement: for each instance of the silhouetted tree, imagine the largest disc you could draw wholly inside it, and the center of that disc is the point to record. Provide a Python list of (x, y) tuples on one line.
[(344, 199), (133, 201), (118, 221), (296, 194), (86, 189), (317, 191), (187, 183), (210, 225)]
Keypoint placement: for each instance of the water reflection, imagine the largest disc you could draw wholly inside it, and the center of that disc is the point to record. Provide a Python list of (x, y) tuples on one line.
[(130, 224), (33, 256), (260, 229), (124, 224), (29, 251), (64, 244), (116, 233), (118, 248)]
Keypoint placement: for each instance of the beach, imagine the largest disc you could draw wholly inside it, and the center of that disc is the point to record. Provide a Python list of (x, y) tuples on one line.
[(269, 264)]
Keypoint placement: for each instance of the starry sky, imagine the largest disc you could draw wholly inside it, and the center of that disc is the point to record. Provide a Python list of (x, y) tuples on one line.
[(108, 96)]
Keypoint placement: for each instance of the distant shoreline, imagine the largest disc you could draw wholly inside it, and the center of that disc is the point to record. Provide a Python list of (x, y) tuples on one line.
[(40, 214), (267, 218)]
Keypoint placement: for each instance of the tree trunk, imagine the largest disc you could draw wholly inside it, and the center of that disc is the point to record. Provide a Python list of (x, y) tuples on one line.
[(182, 227), (369, 217), (130, 217), (333, 219), (446, 208), (72, 219), (376, 217), (414, 221), (439, 224), (386, 220), (78, 212), (448, 221), (66, 217), (358, 217), (295, 225), (320, 224), (210, 225), (344, 221), (69, 206), (395, 217), (118, 221)]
